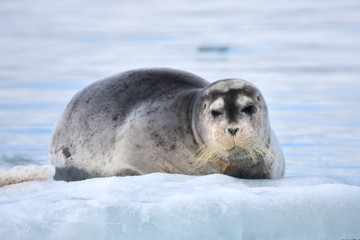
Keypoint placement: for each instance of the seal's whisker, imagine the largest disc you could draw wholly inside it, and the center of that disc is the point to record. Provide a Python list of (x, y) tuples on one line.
[(263, 151), (208, 152)]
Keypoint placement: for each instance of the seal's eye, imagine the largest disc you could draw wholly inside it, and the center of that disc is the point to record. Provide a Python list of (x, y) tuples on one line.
[(215, 113), (249, 110)]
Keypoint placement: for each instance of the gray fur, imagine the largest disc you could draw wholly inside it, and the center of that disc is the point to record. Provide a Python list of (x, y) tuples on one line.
[(137, 122)]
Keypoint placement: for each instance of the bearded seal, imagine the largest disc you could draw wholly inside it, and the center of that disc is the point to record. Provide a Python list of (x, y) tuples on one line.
[(165, 120)]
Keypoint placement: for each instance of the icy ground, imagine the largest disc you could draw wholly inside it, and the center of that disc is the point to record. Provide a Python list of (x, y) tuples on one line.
[(163, 206)]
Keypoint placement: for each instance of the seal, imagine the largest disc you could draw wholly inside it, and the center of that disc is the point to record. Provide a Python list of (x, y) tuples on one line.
[(165, 120)]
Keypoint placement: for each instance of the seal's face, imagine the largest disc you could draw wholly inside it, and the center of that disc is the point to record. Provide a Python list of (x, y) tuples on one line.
[(231, 117)]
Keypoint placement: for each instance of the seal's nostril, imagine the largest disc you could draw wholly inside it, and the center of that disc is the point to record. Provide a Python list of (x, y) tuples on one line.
[(233, 131)]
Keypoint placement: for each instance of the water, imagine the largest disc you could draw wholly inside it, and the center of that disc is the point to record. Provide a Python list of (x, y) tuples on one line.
[(303, 55)]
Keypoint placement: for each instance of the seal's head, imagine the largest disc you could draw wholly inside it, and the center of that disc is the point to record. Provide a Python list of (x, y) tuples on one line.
[(230, 122)]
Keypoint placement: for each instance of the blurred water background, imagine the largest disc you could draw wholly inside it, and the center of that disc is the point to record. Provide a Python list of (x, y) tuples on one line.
[(303, 55)]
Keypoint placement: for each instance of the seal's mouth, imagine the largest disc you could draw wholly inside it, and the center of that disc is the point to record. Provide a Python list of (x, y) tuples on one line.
[(235, 154), (234, 147), (229, 143)]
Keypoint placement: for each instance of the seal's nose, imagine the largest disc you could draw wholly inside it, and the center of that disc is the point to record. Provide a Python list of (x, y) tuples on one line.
[(233, 131)]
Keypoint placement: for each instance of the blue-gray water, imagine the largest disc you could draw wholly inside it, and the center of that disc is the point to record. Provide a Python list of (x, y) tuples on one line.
[(303, 55)]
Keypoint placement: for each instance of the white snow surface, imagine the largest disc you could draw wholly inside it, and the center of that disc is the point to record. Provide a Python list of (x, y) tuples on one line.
[(165, 206)]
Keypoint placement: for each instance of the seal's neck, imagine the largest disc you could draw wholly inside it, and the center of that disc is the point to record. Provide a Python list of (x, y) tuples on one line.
[(193, 120)]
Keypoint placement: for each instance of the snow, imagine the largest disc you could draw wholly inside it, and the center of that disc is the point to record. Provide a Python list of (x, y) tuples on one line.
[(165, 206)]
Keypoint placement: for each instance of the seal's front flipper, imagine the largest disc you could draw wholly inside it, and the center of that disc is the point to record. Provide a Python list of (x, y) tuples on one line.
[(20, 174)]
